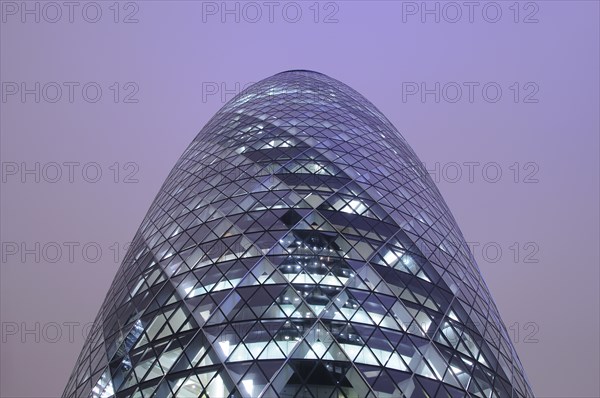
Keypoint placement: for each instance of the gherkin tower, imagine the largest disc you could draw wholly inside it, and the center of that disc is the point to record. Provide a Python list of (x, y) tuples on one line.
[(298, 248)]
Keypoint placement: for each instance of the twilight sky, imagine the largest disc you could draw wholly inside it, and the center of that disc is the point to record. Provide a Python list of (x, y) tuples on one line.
[(499, 99)]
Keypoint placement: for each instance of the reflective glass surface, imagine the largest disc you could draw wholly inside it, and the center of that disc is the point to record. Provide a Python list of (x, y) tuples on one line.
[(298, 248)]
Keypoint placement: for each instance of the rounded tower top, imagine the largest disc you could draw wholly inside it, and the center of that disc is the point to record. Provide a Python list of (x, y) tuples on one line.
[(298, 248)]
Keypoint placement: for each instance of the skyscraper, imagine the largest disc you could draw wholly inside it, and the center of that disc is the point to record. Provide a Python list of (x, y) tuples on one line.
[(298, 248)]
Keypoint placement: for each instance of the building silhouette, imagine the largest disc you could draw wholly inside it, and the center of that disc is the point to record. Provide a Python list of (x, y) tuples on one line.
[(298, 248)]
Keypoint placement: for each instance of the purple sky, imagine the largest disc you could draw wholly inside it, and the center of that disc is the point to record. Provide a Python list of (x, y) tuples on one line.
[(541, 134)]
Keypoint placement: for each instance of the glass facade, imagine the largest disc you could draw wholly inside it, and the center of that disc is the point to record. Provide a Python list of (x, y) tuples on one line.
[(298, 248)]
